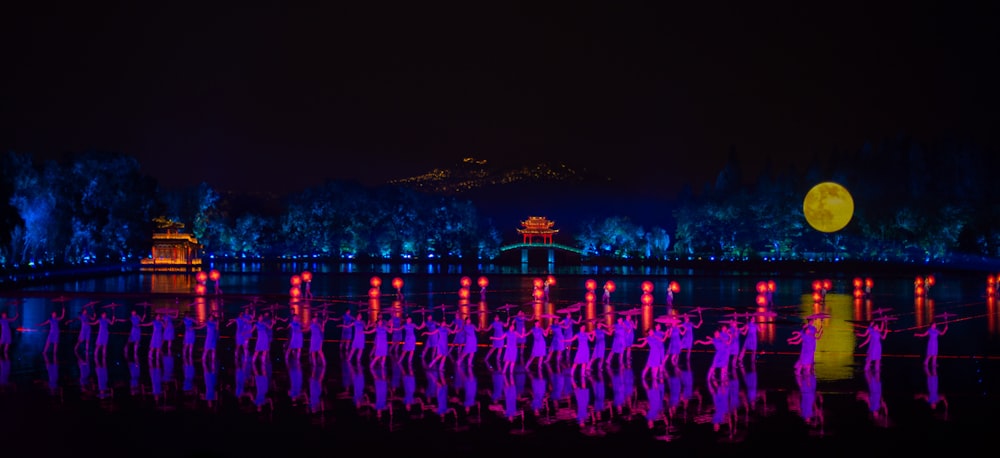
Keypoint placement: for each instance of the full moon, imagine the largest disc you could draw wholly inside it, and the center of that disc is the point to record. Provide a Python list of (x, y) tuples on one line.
[(828, 207)]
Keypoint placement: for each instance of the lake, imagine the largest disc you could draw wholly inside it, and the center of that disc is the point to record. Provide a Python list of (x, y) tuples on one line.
[(684, 410)]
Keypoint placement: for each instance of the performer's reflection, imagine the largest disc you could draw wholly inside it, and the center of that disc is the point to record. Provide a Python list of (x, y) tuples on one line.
[(84, 367), (188, 369), (211, 394), (316, 403), (52, 368), (470, 387), (654, 397), (877, 409), (4, 372), (295, 393), (381, 389), (133, 378), (723, 411), (101, 371), (262, 383), (539, 392), (582, 396), (935, 400), (810, 402)]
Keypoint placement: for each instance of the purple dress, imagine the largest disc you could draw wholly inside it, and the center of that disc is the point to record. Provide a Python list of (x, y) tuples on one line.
[(263, 339), (471, 343), (188, 330), (381, 340), (807, 354), (211, 334), (102, 330), (582, 348), (510, 348), (295, 342), (53, 331), (750, 343), (84, 329), (315, 336), (358, 342), (134, 333), (5, 334), (538, 348), (409, 337), (655, 343), (156, 341), (932, 341)]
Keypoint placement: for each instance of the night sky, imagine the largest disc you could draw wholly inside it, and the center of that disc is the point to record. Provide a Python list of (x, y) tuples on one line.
[(278, 98)]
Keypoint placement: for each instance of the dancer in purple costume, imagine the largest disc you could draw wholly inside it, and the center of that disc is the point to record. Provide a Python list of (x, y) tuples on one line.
[(409, 339), (749, 330), (6, 334), (244, 328), (720, 361), (295, 338), (187, 343), (654, 362), (169, 334), (687, 334), (807, 352), (83, 337), (101, 344), (347, 331), (442, 349), (134, 335), (654, 396), (874, 334), (262, 347), (510, 352), (430, 344), (617, 343), (538, 347), (156, 338), (497, 345), (381, 346), (317, 330), (357, 338), (581, 358), (470, 344), (53, 337), (932, 333), (597, 356)]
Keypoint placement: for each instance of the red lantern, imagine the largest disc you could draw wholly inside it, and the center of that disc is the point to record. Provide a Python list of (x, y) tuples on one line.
[(609, 286), (761, 287), (550, 279), (214, 275), (199, 289), (859, 293), (483, 282), (858, 282), (397, 283), (296, 280), (202, 277), (295, 292), (761, 300), (919, 281), (590, 296), (590, 284), (646, 299), (869, 282), (538, 294), (675, 287), (307, 276), (930, 280), (373, 293), (817, 297), (647, 286), (827, 284), (463, 293), (817, 285), (465, 282), (375, 282), (771, 286), (538, 283)]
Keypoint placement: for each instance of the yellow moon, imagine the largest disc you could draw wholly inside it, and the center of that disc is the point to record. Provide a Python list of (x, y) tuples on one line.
[(828, 207)]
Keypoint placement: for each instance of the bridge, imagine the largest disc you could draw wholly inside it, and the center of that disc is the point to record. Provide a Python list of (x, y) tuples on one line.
[(551, 247)]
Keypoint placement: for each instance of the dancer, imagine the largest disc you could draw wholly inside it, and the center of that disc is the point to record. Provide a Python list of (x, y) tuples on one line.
[(381, 346), (135, 333), (295, 338), (187, 348), (317, 329), (347, 331), (430, 344), (244, 327), (687, 334), (750, 330), (169, 334), (156, 339), (654, 362), (86, 320), (510, 352), (211, 326), (597, 356), (497, 345), (441, 350), (6, 335), (470, 344), (53, 338), (582, 356), (263, 345), (538, 347), (807, 352), (932, 333), (357, 338), (720, 362), (409, 339), (674, 333), (101, 344), (874, 334)]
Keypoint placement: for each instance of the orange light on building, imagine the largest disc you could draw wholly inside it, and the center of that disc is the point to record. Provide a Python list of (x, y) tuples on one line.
[(307, 276), (483, 282), (202, 276), (647, 287), (375, 282)]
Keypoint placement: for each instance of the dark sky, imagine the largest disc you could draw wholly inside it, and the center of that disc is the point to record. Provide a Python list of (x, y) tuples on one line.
[(281, 98)]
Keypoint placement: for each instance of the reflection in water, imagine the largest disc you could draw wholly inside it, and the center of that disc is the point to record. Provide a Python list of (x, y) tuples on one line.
[(835, 351)]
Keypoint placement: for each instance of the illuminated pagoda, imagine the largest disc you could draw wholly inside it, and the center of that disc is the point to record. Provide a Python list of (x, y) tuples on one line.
[(537, 226), (173, 251)]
